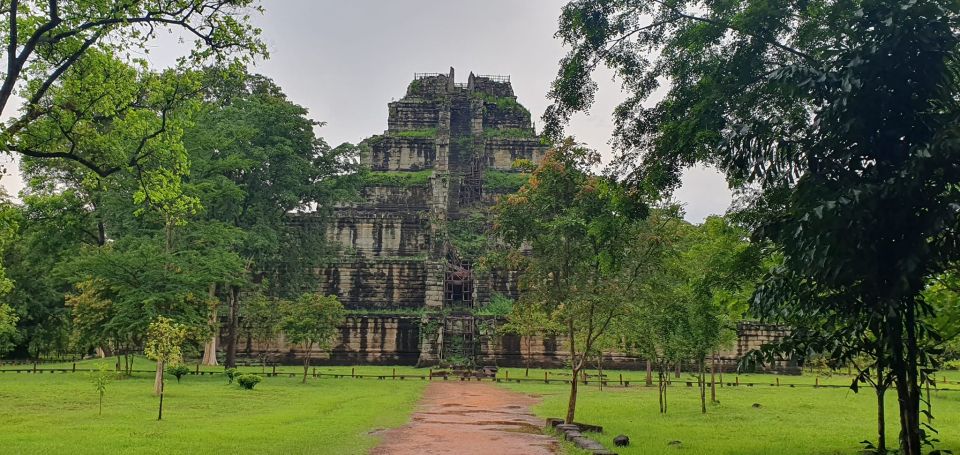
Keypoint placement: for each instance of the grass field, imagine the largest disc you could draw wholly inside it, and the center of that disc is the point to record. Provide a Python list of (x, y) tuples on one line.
[(57, 413), (801, 420)]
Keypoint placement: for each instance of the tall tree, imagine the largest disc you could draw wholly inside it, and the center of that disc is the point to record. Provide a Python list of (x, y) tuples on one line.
[(255, 159), (578, 226), (46, 40), (854, 150), (722, 268)]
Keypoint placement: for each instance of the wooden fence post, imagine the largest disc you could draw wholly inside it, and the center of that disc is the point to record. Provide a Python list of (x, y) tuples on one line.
[(353, 372), (394, 373), (778, 382), (621, 379), (545, 380), (737, 380)]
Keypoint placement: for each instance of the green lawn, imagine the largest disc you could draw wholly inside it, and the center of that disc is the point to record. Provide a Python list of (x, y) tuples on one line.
[(800, 420), (57, 413)]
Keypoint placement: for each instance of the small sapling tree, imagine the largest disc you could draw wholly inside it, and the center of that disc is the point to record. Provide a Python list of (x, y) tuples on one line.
[(164, 340), (313, 320), (526, 322), (259, 324), (101, 378)]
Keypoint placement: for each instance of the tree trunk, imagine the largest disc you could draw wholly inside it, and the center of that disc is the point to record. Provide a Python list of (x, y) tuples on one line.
[(306, 361), (904, 369), (703, 386), (574, 368), (529, 342), (158, 379), (233, 318), (160, 412), (600, 370), (662, 388), (649, 374), (572, 402), (713, 378), (210, 349), (677, 370), (101, 233), (881, 423)]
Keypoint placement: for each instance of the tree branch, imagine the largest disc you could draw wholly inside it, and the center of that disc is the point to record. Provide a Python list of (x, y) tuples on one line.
[(17, 62), (725, 25), (102, 172)]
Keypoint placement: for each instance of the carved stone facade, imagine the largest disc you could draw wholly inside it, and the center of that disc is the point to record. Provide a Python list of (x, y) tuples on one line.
[(404, 246), (398, 340), (408, 248)]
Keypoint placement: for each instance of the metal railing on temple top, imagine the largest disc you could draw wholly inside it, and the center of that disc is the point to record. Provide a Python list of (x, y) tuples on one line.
[(496, 78), (426, 75)]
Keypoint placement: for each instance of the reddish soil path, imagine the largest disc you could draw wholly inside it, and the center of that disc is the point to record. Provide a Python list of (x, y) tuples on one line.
[(469, 418)]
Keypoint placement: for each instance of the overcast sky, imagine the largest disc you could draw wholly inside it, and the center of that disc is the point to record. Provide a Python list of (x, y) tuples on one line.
[(345, 60)]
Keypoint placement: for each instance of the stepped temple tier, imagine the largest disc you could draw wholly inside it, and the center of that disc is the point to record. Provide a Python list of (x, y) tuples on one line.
[(408, 247)]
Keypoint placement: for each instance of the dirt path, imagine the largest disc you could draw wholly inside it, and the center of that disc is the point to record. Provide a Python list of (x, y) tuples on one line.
[(469, 418)]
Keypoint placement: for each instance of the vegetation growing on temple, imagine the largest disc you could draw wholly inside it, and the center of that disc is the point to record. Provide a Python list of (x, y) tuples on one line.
[(503, 103), (418, 134), (403, 179), (503, 181)]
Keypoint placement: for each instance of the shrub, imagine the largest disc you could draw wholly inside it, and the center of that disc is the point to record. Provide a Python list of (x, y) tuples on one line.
[(423, 133), (469, 235), (402, 179), (500, 305), (504, 182), (248, 381), (232, 374), (509, 133), (178, 371)]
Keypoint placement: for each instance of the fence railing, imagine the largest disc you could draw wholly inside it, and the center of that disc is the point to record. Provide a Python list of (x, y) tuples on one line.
[(548, 378), (496, 77)]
